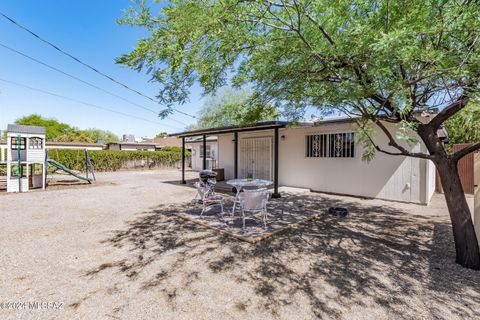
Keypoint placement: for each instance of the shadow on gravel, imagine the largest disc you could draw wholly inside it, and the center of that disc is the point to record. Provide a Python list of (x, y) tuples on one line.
[(377, 254)]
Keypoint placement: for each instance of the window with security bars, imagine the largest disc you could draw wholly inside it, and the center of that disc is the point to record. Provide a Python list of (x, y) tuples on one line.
[(331, 145)]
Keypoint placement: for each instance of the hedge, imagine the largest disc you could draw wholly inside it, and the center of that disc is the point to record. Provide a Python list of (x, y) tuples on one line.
[(112, 160)]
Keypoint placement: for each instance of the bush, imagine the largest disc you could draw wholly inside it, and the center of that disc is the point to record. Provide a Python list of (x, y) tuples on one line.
[(112, 160), (174, 149)]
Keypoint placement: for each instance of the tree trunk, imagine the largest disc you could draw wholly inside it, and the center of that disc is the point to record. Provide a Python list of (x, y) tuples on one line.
[(466, 245)]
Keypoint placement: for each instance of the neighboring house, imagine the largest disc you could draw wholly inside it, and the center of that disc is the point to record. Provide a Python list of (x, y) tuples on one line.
[(74, 145), (127, 146), (196, 147), (164, 142), (322, 156)]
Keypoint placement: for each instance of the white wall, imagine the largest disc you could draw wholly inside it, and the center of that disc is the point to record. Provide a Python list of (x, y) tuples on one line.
[(387, 177)]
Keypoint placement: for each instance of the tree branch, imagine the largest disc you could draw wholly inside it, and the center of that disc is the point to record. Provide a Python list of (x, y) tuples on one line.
[(449, 111), (393, 143), (462, 153)]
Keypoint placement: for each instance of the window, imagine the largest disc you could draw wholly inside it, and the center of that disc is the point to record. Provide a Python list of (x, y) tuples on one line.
[(35, 143), (36, 169), (208, 151), (15, 143), (14, 171), (331, 145)]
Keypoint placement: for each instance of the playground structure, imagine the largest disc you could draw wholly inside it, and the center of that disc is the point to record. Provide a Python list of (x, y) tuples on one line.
[(27, 160)]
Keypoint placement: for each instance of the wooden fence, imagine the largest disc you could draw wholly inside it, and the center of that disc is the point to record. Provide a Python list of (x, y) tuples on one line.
[(465, 170)]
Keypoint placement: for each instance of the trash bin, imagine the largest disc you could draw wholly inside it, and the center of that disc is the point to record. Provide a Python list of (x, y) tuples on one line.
[(220, 174)]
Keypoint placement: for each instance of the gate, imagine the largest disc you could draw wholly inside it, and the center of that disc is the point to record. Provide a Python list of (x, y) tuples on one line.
[(256, 158), (465, 170)]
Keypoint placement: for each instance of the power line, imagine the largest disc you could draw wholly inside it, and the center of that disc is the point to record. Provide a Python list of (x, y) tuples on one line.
[(82, 81), (85, 64), (85, 103)]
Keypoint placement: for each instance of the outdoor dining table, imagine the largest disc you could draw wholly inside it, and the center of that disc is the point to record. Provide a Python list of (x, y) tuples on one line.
[(239, 184)]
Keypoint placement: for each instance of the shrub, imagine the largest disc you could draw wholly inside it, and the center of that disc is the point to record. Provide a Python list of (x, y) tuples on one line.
[(112, 160)]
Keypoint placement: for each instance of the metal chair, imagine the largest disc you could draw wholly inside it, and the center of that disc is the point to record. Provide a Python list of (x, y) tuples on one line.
[(207, 197), (254, 201)]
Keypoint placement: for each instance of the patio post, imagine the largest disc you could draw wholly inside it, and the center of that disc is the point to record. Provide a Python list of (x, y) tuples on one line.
[(235, 155), (275, 168), (183, 161), (204, 152)]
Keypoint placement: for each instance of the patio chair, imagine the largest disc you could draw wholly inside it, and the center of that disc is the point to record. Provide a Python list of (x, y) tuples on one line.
[(202, 190), (212, 200), (254, 201), (207, 197)]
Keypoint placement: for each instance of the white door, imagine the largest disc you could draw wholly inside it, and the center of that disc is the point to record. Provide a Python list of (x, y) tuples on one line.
[(256, 158)]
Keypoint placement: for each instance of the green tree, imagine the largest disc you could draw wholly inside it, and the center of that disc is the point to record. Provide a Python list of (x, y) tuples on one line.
[(233, 107), (162, 135), (54, 128), (94, 135), (59, 131), (464, 127), (378, 61)]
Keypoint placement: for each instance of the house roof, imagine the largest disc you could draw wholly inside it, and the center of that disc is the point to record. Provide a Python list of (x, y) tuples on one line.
[(134, 144), (260, 126), (200, 139), (165, 142), (16, 128), (77, 144)]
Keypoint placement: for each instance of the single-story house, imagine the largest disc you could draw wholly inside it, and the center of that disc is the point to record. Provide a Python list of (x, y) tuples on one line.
[(161, 142), (131, 146), (322, 156), (74, 145), (195, 145)]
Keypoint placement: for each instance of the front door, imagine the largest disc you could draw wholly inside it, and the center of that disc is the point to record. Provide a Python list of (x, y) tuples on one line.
[(256, 158)]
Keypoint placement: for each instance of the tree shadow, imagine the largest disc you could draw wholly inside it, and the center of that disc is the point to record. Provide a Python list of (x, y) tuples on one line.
[(379, 256)]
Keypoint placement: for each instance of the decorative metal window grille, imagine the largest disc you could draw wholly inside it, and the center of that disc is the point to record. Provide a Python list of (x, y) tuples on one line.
[(14, 145), (331, 145), (35, 143)]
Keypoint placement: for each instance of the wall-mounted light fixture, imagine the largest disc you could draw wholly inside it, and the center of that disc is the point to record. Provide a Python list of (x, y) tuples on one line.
[(282, 137)]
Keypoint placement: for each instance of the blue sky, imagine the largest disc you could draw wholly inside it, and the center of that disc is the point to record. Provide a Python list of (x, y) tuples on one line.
[(88, 30)]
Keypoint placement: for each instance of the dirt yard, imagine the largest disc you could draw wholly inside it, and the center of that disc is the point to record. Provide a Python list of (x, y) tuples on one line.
[(116, 250)]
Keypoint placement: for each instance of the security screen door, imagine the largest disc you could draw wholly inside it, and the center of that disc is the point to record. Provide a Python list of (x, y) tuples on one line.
[(256, 158)]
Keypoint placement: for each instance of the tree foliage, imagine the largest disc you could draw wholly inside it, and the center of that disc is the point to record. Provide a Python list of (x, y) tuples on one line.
[(233, 107), (162, 134), (54, 128), (59, 131), (464, 127)]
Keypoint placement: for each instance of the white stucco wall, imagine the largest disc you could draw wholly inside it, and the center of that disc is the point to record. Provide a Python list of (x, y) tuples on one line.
[(387, 177)]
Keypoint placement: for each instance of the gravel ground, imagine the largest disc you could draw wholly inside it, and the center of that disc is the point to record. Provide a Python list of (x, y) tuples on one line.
[(116, 251)]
